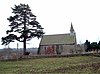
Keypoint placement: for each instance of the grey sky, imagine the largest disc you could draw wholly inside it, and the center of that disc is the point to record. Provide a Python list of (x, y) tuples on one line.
[(56, 17)]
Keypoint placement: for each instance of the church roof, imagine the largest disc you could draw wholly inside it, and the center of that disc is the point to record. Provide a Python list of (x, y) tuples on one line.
[(64, 39)]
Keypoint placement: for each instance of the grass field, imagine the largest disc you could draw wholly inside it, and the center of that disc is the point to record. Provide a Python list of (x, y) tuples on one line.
[(62, 65)]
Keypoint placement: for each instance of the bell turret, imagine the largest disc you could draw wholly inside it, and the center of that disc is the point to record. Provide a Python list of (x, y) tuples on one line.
[(72, 32)]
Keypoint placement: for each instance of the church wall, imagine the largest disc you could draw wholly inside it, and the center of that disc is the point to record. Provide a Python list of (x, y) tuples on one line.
[(48, 50), (52, 49), (68, 49)]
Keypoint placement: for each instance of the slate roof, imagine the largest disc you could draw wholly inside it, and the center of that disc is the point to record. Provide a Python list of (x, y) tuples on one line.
[(64, 39)]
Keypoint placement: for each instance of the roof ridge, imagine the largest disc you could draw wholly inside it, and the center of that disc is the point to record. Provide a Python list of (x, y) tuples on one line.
[(57, 34)]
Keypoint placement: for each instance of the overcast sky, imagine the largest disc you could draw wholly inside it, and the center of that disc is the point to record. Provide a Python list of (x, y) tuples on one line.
[(56, 17)]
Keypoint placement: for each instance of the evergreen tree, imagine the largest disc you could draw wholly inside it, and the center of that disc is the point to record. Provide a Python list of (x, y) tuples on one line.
[(94, 46), (87, 46), (23, 26)]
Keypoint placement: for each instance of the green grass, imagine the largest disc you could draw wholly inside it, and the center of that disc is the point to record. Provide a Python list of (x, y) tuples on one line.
[(62, 65)]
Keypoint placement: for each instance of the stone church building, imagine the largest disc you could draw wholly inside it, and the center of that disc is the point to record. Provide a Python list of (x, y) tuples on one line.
[(58, 43)]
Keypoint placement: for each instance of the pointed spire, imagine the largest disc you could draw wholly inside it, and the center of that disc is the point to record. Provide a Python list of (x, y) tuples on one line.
[(71, 28)]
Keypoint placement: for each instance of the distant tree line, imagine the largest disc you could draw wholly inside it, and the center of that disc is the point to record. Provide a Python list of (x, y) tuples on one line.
[(94, 46)]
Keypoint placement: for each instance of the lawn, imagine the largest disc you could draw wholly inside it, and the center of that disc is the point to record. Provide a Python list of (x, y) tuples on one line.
[(62, 65)]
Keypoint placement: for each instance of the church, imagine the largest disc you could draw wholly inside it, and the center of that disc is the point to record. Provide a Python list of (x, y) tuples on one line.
[(58, 43)]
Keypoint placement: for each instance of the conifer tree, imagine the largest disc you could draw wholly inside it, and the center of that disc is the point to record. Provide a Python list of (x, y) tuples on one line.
[(23, 26)]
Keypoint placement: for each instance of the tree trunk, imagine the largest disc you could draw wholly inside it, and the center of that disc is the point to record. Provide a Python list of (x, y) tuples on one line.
[(97, 50), (24, 46), (24, 42)]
